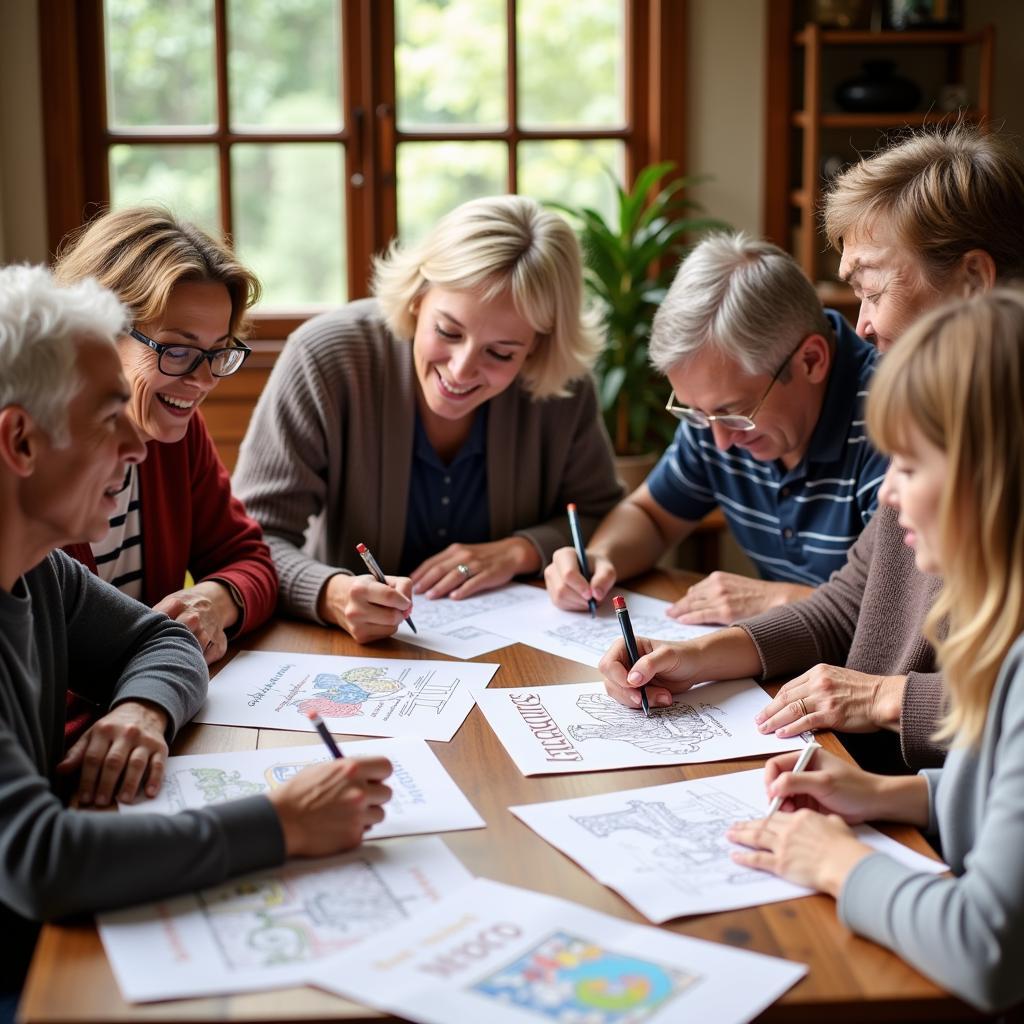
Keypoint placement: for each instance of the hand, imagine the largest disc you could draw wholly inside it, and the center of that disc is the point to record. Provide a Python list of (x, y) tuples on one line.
[(724, 598), (816, 850), (490, 565), (124, 747), (566, 586), (675, 665), (829, 697), (206, 610), (366, 609), (327, 807)]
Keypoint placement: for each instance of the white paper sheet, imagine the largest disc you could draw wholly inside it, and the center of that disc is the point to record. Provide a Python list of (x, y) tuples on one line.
[(501, 955), (578, 637), (663, 848), (363, 696), (577, 727), (267, 930), (451, 627), (424, 797)]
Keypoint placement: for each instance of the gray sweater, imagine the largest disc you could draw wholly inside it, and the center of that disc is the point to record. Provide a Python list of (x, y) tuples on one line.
[(62, 624), (326, 460), (868, 617), (966, 932)]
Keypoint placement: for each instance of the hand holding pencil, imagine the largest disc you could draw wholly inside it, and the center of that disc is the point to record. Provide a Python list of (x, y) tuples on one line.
[(367, 608)]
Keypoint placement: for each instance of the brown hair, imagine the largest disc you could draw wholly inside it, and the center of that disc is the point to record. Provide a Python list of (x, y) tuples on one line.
[(142, 252), (944, 192)]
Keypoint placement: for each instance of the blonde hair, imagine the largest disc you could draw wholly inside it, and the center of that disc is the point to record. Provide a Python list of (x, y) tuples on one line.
[(492, 246), (41, 324), (943, 193), (142, 252), (957, 376)]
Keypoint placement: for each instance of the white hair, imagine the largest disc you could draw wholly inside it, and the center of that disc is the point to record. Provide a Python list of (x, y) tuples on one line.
[(744, 298), (40, 325)]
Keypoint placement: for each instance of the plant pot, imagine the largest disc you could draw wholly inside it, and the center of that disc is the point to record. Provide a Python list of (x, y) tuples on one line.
[(877, 90), (633, 470)]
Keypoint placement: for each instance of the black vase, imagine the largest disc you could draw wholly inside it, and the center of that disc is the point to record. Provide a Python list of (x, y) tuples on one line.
[(877, 90)]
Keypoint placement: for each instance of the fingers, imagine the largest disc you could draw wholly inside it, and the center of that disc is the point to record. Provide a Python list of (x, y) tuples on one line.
[(757, 834), (775, 766), (706, 615), (171, 606), (566, 585), (619, 681), (373, 610), (785, 710), (603, 578)]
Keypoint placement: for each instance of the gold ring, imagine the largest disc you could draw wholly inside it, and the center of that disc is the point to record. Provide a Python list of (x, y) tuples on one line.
[(803, 706)]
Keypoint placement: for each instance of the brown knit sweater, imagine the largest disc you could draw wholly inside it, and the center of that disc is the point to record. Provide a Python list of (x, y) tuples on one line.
[(867, 617), (326, 460)]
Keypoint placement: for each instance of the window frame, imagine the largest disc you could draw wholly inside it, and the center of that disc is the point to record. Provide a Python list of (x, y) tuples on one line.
[(76, 138)]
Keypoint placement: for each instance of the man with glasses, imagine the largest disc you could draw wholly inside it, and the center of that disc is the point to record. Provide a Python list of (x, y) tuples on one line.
[(769, 390)]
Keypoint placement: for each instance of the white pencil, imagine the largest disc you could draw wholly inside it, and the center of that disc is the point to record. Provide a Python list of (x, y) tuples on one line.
[(801, 763)]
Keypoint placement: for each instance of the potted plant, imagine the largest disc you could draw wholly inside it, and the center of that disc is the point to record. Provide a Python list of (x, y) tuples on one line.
[(628, 265)]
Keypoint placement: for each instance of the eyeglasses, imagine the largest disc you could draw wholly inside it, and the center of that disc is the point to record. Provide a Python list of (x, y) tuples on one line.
[(731, 421), (179, 360)]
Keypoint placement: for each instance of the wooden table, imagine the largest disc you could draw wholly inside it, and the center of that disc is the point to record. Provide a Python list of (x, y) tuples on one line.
[(850, 979)]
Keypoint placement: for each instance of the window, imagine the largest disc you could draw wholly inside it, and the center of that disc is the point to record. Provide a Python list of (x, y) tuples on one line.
[(314, 131)]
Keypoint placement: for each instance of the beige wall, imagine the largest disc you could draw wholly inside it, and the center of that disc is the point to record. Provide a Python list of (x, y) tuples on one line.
[(22, 186)]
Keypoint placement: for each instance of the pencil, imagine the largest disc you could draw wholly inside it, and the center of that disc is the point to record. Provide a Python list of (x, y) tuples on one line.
[(581, 552), (375, 571), (325, 735), (632, 653), (801, 763)]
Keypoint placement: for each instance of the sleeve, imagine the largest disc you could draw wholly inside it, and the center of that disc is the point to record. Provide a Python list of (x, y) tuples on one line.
[(966, 933), (923, 706), (283, 468), (111, 637), (791, 639), (588, 479), (679, 483), (227, 544)]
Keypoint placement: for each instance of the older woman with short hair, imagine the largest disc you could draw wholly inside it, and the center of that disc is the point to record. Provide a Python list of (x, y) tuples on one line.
[(938, 215), (187, 296), (444, 423)]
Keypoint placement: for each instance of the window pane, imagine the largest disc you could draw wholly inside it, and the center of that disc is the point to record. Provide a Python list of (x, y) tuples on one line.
[(440, 175), (580, 82), (283, 64), (573, 172), (450, 60), (183, 178), (289, 220), (160, 70)]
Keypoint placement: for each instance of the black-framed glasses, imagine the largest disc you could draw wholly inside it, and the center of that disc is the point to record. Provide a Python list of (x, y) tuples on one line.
[(731, 421), (179, 360)]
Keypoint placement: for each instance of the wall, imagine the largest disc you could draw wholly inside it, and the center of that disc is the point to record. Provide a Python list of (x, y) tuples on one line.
[(22, 179)]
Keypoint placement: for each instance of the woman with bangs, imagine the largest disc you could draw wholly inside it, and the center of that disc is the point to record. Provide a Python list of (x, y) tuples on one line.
[(948, 404), (445, 423), (187, 296)]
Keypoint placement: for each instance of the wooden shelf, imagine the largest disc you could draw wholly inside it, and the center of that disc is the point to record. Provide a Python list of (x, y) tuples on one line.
[(923, 37), (912, 118)]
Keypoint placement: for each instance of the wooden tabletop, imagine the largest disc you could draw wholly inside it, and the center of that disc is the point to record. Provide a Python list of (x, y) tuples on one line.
[(850, 979)]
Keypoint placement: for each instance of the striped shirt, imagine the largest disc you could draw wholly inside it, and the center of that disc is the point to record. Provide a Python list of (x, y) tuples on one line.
[(119, 555), (795, 524)]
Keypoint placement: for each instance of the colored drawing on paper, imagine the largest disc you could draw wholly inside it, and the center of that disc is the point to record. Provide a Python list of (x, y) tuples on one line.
[(342, 695), (573, 981), (677, 729)]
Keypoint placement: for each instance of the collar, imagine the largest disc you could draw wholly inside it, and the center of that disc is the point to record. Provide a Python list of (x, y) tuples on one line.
[(474, 445)]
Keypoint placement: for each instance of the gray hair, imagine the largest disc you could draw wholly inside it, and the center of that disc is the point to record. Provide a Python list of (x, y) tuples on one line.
[(742, 297), (40, 325)]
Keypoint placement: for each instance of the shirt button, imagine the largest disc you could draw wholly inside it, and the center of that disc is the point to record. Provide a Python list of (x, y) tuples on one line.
[(447, 479), (445, 500), (442, 532), (787, 533)]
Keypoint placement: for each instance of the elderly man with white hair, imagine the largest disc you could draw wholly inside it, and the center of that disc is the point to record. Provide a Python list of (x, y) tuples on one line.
[(769, 390), (65, 444)]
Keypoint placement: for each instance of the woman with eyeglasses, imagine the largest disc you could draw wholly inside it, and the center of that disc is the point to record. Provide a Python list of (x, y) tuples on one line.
[(445, 423), (187, 296), (948, 405)]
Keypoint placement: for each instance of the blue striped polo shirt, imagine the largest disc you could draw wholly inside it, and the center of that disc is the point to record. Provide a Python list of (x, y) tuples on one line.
[(795, 524)]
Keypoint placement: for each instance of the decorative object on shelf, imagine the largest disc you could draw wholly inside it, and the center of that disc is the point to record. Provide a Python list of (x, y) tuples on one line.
[(629, 262), (953, 96), (877, 90), (841, 13), (916, 14), (832, 165)]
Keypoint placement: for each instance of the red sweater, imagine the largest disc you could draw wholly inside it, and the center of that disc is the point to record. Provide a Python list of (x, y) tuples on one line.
[(191, 522)]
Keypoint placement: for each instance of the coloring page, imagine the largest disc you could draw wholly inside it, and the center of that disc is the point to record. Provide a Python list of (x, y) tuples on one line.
[(428, 700), (663, 848), (577, 727), (424, 797)]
